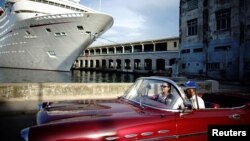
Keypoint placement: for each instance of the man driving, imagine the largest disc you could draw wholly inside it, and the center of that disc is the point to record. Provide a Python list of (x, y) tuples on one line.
[(165, 96)]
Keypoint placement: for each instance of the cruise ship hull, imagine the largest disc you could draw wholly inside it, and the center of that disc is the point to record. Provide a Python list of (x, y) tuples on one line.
[(50, 42)]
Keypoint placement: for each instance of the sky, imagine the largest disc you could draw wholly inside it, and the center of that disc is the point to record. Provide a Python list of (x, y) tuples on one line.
[(137, 20), (1, 3)]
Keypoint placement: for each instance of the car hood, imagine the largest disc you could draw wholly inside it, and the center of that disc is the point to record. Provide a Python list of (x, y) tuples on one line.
[(101, 120), (84, 110)]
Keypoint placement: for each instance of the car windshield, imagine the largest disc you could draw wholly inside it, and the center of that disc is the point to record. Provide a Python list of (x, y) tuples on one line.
[(149, 92)]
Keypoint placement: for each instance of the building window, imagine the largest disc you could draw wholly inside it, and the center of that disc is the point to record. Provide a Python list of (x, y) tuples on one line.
[(86, 63), (137, 64), (97, 51), (111, 64), (127, 64), (192, 27), (185, 51), (104, 51), (192, 4), (161, 47), (247, 66), (118, 50), (97, 64), (111, 50), (91, 52), (148, 64), (198, 50), (91, 63), (175, 44), (205, 3), (213, 66), (86, 53), (221, 48), (104, 63), (183, 66), (128, 49), (223, 19), (148, 48), (222, 1), (118, 64), (137, 48)]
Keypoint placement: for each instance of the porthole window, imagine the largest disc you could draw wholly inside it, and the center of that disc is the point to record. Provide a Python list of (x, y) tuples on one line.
[(57, 34), (51, 53), (63, 33), (27, 32), (48, 30), (80, 27)]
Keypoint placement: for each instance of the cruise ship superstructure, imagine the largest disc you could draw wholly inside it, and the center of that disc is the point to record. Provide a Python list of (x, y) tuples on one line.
[(47, 34)]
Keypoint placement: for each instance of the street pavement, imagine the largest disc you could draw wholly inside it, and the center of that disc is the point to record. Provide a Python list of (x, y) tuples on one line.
[(11, 125)]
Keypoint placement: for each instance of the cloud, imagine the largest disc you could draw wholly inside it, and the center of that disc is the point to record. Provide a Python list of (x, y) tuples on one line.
[(136, 20), (128, 19)]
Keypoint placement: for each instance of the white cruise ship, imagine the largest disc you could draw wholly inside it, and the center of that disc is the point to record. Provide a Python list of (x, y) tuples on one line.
[(47, 34)]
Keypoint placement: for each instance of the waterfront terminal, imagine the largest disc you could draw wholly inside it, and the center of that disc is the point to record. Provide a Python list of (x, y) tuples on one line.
[(156, 56)]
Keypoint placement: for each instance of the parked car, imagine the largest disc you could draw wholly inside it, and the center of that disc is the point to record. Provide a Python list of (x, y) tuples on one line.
[(136, 116)]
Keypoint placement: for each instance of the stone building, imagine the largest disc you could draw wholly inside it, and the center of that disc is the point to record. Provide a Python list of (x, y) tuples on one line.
[(149, 56), (215, 38)]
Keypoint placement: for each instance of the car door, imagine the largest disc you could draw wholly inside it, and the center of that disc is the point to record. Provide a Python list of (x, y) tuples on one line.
[(159, 123), (193, 124)]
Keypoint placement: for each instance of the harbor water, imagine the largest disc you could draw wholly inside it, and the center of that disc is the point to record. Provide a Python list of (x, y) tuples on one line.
[(74, 76)]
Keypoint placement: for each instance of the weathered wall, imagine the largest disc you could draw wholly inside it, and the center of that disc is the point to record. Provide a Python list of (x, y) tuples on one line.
[(60, 91), (65, 91), (24, 97)]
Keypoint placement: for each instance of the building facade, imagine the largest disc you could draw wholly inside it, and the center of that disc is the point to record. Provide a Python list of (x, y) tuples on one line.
[(215, 38), (150, 56)]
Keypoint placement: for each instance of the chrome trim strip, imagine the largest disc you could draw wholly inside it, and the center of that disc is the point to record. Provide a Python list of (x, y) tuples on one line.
[(160, 138), (130, 136), (146, 133), (173, 136), (163, 131), (111, 138), (192, 134), (226, 108)]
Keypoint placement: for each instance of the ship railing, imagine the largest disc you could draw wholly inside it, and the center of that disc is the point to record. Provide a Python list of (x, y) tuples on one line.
[(60, 16)]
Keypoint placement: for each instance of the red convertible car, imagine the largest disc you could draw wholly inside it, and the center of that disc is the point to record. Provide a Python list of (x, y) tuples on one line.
[(136, 116)]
